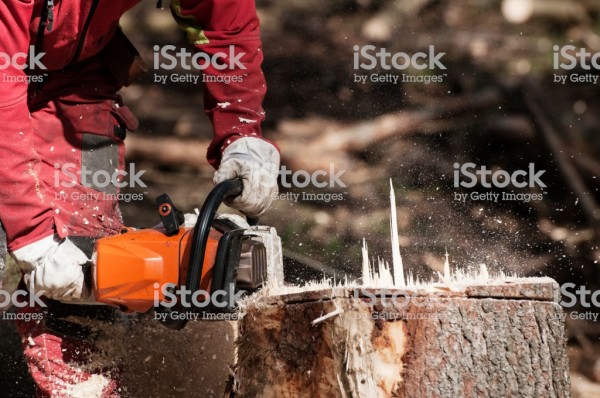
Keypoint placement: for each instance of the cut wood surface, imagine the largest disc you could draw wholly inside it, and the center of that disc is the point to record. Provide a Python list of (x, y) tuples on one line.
[(490, 340)]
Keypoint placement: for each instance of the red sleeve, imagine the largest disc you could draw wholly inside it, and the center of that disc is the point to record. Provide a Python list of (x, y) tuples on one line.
[(234, 103), (24, 212)]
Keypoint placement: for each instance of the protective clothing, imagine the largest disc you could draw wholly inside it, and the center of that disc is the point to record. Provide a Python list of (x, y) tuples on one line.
[(74, 74), (54, 266), (256, 162), (64, 350)]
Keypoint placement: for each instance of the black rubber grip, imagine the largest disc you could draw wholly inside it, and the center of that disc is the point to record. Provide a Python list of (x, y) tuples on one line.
[(222, 191)]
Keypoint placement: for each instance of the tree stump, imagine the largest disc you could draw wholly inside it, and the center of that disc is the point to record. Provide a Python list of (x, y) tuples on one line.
[(502, 339)]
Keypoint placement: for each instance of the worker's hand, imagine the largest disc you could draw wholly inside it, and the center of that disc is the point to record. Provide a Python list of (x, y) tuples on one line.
[(54, 266), (256, 162)]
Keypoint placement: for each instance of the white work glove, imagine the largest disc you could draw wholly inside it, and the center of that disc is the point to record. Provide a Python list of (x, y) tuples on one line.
[(234, 218), (192, 218), (54, 266), (256, 162)]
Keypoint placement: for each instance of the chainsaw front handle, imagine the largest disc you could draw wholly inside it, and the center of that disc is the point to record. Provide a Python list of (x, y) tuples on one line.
[(224, 190), (228, 189)]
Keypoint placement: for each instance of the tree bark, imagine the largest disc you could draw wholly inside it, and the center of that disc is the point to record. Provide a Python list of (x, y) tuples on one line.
[(498, 340)]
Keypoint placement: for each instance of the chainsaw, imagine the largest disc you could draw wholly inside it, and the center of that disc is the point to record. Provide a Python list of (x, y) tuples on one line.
[(218, 258)]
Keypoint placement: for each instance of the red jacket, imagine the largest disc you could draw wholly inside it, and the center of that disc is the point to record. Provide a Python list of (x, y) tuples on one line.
[(80, 30)]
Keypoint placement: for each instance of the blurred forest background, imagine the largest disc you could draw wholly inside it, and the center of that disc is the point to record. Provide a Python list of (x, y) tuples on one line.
[(497, 106), (497, 86)]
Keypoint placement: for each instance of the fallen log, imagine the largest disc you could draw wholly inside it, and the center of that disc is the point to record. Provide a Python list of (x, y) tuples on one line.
[(503, 339)]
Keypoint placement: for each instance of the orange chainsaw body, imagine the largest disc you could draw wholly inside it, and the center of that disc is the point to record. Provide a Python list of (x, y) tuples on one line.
[(132, 267)]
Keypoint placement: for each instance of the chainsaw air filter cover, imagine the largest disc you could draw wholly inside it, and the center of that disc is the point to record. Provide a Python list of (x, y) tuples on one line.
[(131, 267)]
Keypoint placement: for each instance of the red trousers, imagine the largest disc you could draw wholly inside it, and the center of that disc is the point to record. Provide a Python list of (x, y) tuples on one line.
[(64, 359), (79, 126)]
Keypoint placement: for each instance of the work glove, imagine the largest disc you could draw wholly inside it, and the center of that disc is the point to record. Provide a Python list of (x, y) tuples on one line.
[(256, 162), (54, 266), (192, 218)]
